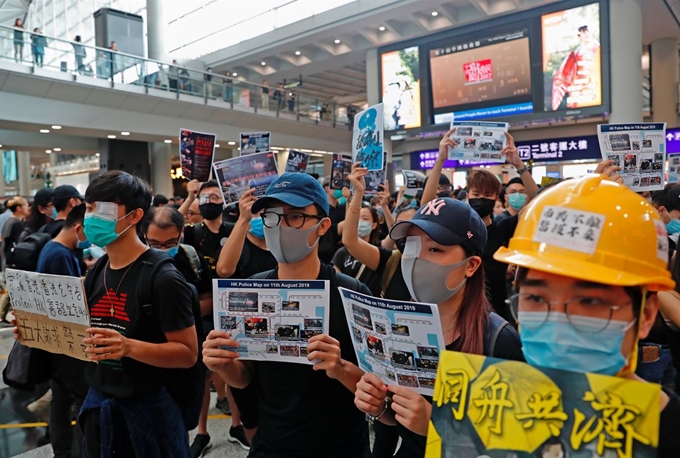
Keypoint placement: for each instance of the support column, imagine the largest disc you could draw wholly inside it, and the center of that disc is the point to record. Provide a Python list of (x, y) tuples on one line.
[(161, 163), (24, 172), (155, 28), (327, 165), (281, 160), (3, 191), (665, 78), (625, 25)]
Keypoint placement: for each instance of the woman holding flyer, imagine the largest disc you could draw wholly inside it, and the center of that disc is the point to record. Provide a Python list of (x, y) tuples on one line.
[(440, 264)]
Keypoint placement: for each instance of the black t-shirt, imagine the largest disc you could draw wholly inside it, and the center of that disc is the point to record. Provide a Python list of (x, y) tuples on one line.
[(303, 413), (253, 260), (508, 346), (119, 310), (396, 288), (204, 283), (54, 227), (351, 267), (669, 428), (208, 243), (331, 240), (499, 234)]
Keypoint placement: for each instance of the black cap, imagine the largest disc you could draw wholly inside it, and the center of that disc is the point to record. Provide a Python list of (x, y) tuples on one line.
[(449, 222), (43, 197), (65, 192)]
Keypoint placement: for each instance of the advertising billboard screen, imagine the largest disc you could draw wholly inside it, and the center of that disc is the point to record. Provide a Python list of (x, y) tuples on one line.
[(401, 88)]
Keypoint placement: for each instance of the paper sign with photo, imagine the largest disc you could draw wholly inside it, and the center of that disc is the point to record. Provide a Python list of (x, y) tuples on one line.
[(398, 341), (375, 178), (485, 406), (481, 141), (341, 169), (639, 149), (367, 138), (238, 174), (414, 181), (272, 320), (50, 311), (196, 153), (255, 142), (297, 161)]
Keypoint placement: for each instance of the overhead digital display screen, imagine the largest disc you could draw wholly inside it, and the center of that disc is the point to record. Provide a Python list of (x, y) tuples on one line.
[(401, 88), (572, 58)]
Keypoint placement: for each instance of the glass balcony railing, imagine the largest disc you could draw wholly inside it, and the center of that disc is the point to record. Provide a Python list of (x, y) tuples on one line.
[(37, 50)]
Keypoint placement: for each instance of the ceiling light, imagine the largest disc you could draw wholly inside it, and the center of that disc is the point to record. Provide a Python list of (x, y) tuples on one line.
[(217, 145), (125, 133), (111, 136), (97, 154), (434, 13), (44, 131), (57, 149), (337, 42), (381, 28), (168, 141), (56, 127), (234, 74), (228, 143), (297, 53), (48, 151), (263, 63), (0, 146)]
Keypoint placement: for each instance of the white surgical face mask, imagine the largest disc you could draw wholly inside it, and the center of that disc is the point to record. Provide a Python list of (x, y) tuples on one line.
[(287, 244), (426, 280)]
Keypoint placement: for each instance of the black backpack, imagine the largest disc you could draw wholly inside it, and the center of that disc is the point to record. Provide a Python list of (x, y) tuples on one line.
[(186, 386), (24, 255)]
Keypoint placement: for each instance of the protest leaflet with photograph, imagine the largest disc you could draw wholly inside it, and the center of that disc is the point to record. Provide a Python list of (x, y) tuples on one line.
[(398, 341), (375, 179), (255, 142), (238, 174), (493, 407), (342, 167), (50, 311), (367, 138), (196, 153), (297, 161), (674, 169), (478, 141), (639, 149), (272, 320), (414, 181)]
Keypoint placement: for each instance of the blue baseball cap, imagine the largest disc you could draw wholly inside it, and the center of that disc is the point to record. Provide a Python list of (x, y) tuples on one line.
[(448, 222), (295, 189)]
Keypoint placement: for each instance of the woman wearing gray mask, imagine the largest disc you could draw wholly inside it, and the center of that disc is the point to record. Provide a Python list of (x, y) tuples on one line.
[(440, 264)]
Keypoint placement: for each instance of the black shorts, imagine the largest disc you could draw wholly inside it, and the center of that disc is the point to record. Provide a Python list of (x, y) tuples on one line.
[(248, 402)]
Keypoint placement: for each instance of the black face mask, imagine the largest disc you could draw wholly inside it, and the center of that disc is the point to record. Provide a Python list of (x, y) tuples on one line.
[(210, 211), (483, 207)]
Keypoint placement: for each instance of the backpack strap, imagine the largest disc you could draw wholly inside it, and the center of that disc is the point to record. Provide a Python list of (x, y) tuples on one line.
[(494, 327), (194, 260), (390, 268), (154, 261)]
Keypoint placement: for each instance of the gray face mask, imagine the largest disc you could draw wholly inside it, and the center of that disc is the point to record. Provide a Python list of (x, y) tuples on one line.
[(287, 244), (425, 280)]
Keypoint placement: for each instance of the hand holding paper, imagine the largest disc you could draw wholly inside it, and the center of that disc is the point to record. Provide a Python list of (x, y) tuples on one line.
[(192, 187), (411, 410), (356, 178), (106, 344), (245, 203), (510, 152), (608, 168), (326, 350), (446, 143), (370, 394), (214, 357)]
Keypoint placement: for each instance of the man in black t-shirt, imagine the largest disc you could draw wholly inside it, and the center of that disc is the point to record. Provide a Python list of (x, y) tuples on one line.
[(337, 207), (304, 410), (128, 409)]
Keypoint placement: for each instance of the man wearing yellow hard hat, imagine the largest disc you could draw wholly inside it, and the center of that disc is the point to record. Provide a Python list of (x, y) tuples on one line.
[(591, 256)]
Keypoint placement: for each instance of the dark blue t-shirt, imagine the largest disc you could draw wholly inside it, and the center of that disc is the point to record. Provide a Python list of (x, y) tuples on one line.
[(56, 259)]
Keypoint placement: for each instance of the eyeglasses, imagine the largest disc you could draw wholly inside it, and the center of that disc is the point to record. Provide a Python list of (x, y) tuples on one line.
[(212, 198), (575, 308), (163, 245), (295, 220)]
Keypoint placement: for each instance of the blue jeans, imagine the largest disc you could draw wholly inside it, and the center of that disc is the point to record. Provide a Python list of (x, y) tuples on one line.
[(660, 371)]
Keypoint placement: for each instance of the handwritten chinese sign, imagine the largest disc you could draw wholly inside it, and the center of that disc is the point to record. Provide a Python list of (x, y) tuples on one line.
[(50, 310), (485, 404), (571, 229), (367, 138)]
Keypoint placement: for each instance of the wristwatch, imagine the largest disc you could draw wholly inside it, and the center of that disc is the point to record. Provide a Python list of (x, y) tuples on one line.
[(369, 417), (522, 170)]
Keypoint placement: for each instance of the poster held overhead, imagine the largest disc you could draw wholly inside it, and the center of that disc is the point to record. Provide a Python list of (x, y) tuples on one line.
[(367, 138), (297, 161), (639, 149), (341, 169), (238, 174), (196, 153), (255, 142), (482, 141)]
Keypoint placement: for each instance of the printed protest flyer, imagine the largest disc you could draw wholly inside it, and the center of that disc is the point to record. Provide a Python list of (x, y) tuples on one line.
[(375, 178), (493, 407), (341, 169), (367, 138), (478, 140), (255, 142), (398, 341), (639, 149), (414, 181), (51, 311), (272, 320), (238, 174), (674, 169), (196, 153), (297, 161)]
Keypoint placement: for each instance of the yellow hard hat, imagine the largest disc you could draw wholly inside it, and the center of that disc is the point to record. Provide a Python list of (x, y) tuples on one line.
[(592, 229)]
